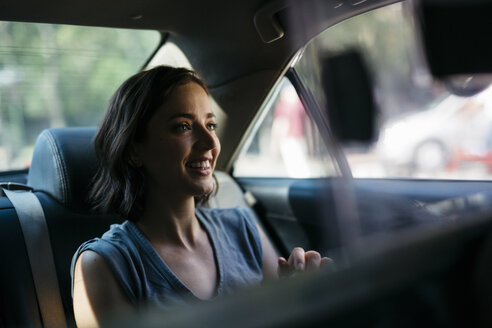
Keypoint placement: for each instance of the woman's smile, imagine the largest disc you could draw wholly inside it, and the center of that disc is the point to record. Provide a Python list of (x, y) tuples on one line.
[(200, 167)]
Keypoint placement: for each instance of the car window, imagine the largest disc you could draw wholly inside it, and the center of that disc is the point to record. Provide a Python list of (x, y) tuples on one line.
[(424, 131), (60, 75), (285, 142)]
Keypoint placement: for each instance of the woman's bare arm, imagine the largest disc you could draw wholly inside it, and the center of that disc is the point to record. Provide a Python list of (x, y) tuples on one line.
[(96, 294), (270, 256)]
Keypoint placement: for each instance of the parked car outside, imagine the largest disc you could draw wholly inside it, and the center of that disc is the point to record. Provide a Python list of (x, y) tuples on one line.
[(438, 139)]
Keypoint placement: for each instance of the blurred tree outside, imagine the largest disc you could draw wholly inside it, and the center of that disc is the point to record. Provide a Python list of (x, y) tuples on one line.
[(60, 75)]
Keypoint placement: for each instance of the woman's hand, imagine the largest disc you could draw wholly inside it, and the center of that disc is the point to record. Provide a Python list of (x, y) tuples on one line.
[(299, 260)]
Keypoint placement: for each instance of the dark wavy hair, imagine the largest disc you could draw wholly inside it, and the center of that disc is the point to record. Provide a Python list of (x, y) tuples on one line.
[(119, 186)]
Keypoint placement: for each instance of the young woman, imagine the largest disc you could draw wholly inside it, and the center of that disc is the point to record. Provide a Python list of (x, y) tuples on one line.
[(158, 148)]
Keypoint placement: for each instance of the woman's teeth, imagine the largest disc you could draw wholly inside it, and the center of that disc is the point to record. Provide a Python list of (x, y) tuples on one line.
[(204, 164)]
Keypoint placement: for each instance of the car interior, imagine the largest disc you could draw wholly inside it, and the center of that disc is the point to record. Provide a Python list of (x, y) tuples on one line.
[(408, 251)]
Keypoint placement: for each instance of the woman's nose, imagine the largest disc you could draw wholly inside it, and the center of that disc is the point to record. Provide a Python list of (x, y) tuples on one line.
[(206, 139)]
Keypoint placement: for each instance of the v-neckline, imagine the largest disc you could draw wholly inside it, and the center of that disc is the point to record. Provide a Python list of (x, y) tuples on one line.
[(168, 274)]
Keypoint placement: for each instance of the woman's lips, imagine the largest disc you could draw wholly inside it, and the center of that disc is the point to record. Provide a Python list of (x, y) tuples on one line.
[(201, 167)]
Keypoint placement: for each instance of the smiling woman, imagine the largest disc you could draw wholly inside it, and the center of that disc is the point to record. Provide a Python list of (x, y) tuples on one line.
[(158, 149)]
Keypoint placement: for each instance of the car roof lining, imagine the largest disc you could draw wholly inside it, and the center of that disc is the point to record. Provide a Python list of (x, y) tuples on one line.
[(228, 45)]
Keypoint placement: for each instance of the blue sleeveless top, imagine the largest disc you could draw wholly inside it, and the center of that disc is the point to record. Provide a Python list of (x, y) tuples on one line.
[(146, 279)]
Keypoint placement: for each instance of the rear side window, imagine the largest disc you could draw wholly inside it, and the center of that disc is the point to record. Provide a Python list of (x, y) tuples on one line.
[(60, 75), (286, 142)]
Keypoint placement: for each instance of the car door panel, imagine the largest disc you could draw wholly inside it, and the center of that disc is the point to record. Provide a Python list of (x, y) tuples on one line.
[(303, 212)]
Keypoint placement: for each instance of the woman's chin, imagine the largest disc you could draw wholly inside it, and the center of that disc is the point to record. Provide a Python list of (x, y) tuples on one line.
[(204, 190)]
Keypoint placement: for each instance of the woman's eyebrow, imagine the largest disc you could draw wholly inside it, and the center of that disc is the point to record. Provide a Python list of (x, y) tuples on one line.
[(187, 115), (181, 115)]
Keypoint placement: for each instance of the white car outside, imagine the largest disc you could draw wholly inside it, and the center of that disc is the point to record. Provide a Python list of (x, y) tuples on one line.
[(423, 142)]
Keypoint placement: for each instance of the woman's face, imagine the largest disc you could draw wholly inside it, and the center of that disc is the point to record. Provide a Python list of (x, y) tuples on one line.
[(180, 147)]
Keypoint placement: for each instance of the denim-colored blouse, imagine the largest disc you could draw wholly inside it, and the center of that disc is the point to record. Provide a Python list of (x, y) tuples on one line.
[(146, 279)]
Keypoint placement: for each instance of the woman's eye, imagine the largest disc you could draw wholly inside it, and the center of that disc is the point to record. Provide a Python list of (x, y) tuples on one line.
[(183, 127), (212, 126)]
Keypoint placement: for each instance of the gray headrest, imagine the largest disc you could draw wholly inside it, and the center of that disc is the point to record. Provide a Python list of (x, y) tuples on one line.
[(63, 164)]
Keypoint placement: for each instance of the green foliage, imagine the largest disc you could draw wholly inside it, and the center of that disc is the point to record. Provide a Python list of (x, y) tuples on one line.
[(57, 75)]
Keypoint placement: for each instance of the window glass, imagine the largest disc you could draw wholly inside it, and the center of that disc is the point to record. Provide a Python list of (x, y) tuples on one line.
[(285, 143), (60, 75), (424, 131)]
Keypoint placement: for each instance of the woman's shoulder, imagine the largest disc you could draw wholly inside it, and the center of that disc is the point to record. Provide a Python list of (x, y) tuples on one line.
[(118, 232), (117, 250), (118, 235), (116, 245), (233, 216)]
